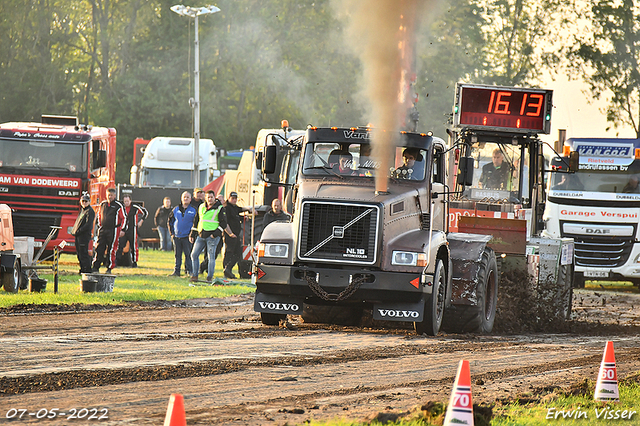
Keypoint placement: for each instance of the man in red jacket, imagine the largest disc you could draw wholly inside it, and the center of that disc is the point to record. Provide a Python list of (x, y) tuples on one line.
[(111, 223)]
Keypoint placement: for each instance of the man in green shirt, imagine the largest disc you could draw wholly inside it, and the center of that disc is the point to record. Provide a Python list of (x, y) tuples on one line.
[(206, 232)]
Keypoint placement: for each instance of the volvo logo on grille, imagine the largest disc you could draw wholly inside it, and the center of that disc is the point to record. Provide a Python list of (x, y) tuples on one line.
[(338, 232)]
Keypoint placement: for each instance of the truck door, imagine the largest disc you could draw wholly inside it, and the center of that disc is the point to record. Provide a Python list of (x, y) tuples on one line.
[(438, 178)]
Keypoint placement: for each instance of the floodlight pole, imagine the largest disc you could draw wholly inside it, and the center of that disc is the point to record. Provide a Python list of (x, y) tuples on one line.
[(194, 12)]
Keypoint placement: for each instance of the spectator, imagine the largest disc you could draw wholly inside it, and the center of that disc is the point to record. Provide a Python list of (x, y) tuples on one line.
[(275, 214), (82, 231), (232, 242), (161, 220), (135, 216), (206, 232), (180, 223), (495, 175), (111, 224), (198, 197)]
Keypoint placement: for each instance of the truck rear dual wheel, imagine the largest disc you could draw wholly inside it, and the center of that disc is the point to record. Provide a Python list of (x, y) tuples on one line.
[(434, 306), (271, 319), (478, 318), (11, 278)]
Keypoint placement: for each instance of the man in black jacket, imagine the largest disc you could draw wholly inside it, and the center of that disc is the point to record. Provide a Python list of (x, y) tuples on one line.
[(82, 231), (135, 216), (111, 226), (233, 240)]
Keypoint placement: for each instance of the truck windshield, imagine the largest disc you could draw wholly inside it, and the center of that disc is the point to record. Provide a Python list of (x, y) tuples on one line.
[(356, 160), (499, 170), (601, 181), (33, 154), (171, 177)]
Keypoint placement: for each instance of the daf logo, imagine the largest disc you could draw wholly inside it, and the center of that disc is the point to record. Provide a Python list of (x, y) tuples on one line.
[(68, 193), (597, 231), (4, 189)]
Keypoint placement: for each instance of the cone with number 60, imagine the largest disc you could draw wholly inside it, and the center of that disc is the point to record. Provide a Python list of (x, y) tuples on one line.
[(460, 408), (607, 384)]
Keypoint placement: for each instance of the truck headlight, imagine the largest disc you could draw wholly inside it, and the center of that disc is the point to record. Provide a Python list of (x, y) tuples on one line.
[(273, 250), (408, 258)]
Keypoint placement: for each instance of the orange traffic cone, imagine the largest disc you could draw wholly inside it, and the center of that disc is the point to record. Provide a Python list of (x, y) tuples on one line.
[(607, 384), (460, 408), (175, 412)]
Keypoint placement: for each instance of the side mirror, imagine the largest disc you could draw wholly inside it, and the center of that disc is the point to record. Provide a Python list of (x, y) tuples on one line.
[(465, 171), (574, 161), (269, 159)]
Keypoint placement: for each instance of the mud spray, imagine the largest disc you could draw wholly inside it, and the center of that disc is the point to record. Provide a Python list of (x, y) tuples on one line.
[(382, 33)]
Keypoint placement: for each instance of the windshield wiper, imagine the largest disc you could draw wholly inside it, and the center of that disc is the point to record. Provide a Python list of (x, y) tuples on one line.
[(326, 169)]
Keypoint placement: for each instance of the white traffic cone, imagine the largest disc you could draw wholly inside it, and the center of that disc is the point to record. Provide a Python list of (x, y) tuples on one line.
[(607, 384), (460, 408)]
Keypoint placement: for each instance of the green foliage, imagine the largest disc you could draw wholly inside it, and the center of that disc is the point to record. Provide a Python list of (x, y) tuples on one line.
[(607, 57), (148, 282), (129, 64)]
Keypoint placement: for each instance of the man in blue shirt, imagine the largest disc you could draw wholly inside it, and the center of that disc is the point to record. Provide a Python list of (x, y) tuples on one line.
[(180, 224)]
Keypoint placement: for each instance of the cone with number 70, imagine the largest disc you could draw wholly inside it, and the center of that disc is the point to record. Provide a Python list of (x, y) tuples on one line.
[(460, 408), (607, 384)]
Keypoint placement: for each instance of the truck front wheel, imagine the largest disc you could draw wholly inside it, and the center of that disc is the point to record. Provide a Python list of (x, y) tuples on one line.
[(272, 319), (11, 278), (434, 307)]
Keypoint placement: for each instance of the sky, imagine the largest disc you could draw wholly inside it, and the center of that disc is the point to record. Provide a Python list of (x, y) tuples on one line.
[(573, 112)]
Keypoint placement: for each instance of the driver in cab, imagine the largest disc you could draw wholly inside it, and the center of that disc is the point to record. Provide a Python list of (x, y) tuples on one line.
[(495, 175)]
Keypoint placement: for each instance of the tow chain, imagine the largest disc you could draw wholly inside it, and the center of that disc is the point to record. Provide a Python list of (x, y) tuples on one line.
[(332, 297)]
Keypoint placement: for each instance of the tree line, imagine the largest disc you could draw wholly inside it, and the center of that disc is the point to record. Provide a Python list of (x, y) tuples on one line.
[(128, 64)]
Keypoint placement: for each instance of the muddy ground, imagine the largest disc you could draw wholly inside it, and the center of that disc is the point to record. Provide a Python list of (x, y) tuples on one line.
[(125, 362)]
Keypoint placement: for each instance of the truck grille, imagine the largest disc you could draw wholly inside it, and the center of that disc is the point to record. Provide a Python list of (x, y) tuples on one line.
[(599, 251), (332, 232), (602, 252)]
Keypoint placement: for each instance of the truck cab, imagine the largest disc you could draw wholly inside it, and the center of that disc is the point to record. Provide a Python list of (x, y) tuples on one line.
[(352, 246), (168, 162)]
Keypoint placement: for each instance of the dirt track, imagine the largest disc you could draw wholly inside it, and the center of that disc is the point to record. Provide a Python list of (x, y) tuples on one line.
[(233, 370)]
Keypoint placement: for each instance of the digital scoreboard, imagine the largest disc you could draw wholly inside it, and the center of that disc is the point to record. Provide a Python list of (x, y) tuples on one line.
[(502, 108)]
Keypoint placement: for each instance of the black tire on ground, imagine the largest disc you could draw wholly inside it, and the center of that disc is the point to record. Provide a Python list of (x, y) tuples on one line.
[(434, 305), (478, 318), (271, 319), (11, 278), (340, 315), (578, 280), (24, 280), (244, 269)]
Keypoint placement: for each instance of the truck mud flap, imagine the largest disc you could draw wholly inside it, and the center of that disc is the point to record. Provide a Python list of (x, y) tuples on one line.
[(276, 304), (466, 254), (413, 312)]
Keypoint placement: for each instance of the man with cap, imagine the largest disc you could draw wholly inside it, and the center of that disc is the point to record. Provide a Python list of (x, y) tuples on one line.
[(198, 197), (82, 231), (233, 239)]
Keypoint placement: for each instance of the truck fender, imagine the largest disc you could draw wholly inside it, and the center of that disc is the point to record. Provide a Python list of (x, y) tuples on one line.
[(466, 254), (8, 260)]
